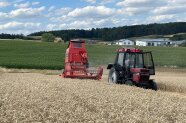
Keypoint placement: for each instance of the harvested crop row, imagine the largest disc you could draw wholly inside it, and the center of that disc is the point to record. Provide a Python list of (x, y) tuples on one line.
[(173, 80), (29, 97)]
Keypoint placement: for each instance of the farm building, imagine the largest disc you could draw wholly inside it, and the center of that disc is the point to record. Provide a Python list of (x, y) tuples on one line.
[(91, 41), (124, 42), (153, 42), (157, 42), (176, 43)]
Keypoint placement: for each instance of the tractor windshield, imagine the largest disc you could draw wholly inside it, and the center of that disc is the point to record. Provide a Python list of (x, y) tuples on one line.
[(134, 60), (77, 44)]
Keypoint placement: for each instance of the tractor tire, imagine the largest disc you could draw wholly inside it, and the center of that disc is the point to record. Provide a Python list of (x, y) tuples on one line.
[(129, 82), (113, 76), (153, 86)]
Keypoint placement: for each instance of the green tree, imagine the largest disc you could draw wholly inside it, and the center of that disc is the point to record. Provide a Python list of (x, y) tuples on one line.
[(48, 37)]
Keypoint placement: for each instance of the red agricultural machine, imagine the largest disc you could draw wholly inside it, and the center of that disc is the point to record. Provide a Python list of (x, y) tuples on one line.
[(132, 67), (76, 62)]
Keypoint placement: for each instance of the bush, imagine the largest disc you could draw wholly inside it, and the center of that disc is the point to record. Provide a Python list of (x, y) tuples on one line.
[(48, 37), (178, 37)]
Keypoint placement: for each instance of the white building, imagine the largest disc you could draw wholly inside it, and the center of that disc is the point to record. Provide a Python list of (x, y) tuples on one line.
[(124, 42), (153, 42), (176, 43)]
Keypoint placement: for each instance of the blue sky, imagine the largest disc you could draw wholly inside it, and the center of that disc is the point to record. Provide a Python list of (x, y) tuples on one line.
[(27, 16)]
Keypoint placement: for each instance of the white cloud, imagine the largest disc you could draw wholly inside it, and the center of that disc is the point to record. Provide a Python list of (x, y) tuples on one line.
[(25, 5), (92, 12), (56, 26), (22, 5), (91, 23), (85, 24), (35, 3), (109, 22), (170, 10), (134, 10), (63, 11), (97, 14), (141, 3), (91, 1), (94, 17), (3, 16), (18, 1), (182, 19), (4, 4), (106, 1), (176, 2), (60, 13), (79, 24), (139, 7), (27, 12), (51, 26), (19, 25), (161, 18), (51, 8)]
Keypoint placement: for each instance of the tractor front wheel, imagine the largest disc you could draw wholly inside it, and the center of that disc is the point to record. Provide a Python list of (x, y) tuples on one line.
[(113, 76), (129, 82)]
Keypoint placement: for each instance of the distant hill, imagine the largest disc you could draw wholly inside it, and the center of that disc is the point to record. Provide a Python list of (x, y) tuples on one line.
[(115, 33)]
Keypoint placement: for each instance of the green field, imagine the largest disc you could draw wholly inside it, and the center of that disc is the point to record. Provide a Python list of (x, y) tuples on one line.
[(42, 55)]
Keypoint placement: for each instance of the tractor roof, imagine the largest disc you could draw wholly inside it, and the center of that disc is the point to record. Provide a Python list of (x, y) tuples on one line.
[(132, 50), (77, 40)]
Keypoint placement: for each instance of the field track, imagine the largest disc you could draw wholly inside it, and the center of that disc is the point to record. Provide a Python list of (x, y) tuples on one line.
[(41, 96)]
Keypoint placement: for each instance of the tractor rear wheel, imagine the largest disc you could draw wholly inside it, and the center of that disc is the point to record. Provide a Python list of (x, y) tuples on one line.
[(113, 76), (153, 86)]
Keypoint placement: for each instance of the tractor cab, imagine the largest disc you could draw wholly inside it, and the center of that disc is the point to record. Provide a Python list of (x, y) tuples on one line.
[(135, 59), (76, 52), (132, 66)]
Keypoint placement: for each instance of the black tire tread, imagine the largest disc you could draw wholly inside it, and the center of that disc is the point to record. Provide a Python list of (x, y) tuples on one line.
[(110, 74)]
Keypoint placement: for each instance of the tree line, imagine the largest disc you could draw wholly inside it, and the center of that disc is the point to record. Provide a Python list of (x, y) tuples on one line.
[(111, 34), (15, 36), (11, 36), (115, 33)]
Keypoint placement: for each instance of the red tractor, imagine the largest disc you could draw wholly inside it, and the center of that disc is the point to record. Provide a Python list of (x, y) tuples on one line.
[(132, 67), (76, 62)]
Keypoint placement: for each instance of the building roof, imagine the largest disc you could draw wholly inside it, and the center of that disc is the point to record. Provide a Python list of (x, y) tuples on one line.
[(123, 40), (154, 40), (77, 40)]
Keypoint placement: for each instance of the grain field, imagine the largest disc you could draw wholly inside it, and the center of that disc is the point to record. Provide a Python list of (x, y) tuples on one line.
[(41, 97)]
